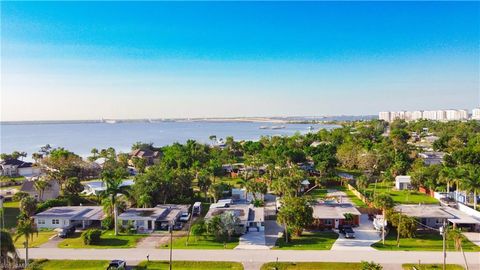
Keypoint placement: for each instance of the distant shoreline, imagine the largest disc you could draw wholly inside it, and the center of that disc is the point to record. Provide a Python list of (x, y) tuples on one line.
[(279, 120)]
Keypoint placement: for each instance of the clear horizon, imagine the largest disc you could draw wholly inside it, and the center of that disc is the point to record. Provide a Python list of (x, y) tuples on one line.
[(125, 60)]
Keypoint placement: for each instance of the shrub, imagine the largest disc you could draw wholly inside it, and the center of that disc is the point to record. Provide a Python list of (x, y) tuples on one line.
[(19, 196), (107, 223), (91, 236), (258, 203), (370, 266)]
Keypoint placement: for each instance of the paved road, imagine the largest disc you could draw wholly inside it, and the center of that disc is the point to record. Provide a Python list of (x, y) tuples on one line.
[(255, 256)]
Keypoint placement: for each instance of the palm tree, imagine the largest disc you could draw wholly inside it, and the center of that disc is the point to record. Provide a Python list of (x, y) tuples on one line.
[(28, 206), (8, 252), (113, 186), (448, 175), (471, 181), (26, 228), (41, 186), (384, 202)]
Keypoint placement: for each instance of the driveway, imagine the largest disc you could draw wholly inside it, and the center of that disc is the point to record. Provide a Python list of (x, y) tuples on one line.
[(474, 237), (252, 240), (365, 236)]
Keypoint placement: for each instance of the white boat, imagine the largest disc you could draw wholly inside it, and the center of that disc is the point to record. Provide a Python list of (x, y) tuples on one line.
[(310, 128), (278, 127), (379, 222), (264, 127), (110, 121)]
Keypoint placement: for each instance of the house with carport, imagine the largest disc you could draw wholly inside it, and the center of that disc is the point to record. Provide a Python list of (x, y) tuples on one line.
[(67, 216)]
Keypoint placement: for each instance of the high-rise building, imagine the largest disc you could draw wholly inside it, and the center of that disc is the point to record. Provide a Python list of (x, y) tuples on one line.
[(430, 115), (476, 114), (417, 115), (385, 116), (441, 115)]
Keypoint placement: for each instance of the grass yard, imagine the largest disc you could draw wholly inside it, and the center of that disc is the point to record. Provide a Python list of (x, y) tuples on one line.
[(41, 238), (309, 241), (400, 196), (432, 267), (108, 240), (422, 242), (186, 265), (69, 264), (310, 266), (202, 242), (11, 213)]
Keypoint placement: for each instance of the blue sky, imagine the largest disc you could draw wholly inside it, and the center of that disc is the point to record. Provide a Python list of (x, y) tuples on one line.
[(88, 60)]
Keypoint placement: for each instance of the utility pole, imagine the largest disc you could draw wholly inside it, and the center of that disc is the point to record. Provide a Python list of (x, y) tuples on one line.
[(171, 242), (443, 232), (398, 228)]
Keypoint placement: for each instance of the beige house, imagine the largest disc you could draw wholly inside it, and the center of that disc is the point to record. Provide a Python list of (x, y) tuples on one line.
[(52, 191)]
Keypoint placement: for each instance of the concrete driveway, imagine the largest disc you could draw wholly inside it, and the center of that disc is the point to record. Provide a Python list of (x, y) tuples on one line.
[(365, 236), (252, 240)]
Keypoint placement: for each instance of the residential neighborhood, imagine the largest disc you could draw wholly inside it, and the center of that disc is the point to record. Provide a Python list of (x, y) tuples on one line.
[(345, 207), (240, 135)]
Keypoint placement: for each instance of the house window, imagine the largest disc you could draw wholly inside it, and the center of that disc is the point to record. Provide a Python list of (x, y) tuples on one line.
[(55, 221), (41, 221), (439, 221), (327, 222), (140, 223)]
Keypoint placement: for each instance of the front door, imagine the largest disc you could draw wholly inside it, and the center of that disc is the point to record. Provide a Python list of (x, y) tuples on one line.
[(336, 223), (149, 225)]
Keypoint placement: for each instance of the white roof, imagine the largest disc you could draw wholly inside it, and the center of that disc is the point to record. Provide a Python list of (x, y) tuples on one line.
[(403, 178), (305, 182), (73, 213), (197, 204)]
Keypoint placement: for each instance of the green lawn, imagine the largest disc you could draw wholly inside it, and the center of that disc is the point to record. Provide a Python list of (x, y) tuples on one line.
[(70, 264), (310, 266), (309, 240), (202, 242), (41, 238), (186, 265), (432, 267), (108, 240), (423, 242), (400, 196), (11, 213)]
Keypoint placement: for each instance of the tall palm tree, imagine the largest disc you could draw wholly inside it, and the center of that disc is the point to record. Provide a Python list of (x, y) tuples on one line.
[(8, 252), (471, 181), (40, 186), (384, 202), (26, 228), (113, 186)]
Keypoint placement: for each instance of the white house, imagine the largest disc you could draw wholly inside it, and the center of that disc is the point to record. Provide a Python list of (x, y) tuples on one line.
[(65, 216), (249, 218), (96, 187), (15, 167), (403, 182), (149, 219)]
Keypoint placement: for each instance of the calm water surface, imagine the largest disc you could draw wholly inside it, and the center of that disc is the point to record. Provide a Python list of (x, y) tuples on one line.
[(81, 138)]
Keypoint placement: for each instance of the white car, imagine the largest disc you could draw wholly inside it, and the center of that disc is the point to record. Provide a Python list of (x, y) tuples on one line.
[(184, 217)]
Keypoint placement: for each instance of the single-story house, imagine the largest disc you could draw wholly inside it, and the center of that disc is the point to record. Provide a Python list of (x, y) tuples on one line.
[(431, 157), (14, 167), (403, 182), (52, 191), (65, 216), (248, 217), (433, 216), (332, 215), (150, 219)]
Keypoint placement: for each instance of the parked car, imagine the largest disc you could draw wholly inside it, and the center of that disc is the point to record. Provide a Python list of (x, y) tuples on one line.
[(184, 217), (347, 231), (178, 226), (66, 232), (117, 264)]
